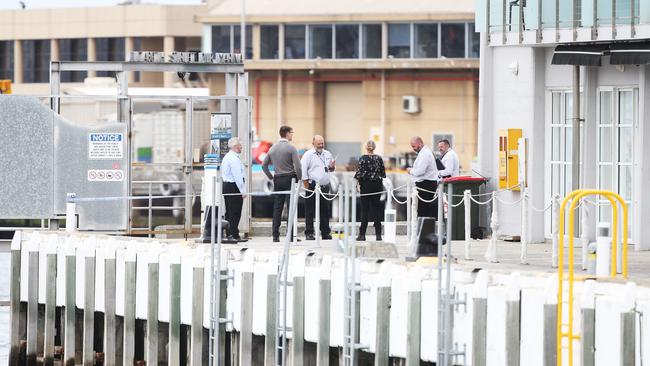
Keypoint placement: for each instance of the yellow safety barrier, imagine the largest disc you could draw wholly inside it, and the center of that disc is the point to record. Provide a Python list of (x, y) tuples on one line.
[(575, 197)]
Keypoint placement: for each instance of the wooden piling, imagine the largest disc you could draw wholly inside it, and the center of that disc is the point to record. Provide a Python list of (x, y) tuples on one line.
[(32, 307), (246, 331), (128, 346), (196, 352), (109, 308), (413, 331), (88, 350), (69, 341), (174, 314), (382, 334), (298, 322), (14, 300), (50, 309), (152, 314), (323, 346), (271, 320)]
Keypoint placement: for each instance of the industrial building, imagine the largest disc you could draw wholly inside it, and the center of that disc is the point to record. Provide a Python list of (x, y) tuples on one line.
[(353, 71), (31, 38), (529, 56)]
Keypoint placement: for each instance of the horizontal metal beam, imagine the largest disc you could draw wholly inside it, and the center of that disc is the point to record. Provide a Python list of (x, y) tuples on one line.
[(118, 66)]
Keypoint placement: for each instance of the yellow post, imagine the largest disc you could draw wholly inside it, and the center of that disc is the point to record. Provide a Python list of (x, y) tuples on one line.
[(575, 197)]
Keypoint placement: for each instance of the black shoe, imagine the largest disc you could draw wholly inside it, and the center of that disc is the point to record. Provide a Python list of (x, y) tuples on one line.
[(361, 237), (310, 237), (241, 240), (379, 237), (229, 240), (276, 240), (327, 237)]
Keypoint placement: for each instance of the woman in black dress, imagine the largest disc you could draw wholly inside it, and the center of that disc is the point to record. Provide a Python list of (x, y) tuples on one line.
[(370, 173)]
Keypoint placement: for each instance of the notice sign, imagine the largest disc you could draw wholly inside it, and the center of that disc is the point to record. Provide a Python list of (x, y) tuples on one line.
[(105, 146), (105, 175)]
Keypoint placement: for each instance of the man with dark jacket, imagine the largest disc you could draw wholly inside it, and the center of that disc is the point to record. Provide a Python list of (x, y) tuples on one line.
[(286, 167)]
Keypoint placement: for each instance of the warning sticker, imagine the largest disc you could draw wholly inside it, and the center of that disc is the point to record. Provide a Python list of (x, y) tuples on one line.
[(105, 175), (105, 146)]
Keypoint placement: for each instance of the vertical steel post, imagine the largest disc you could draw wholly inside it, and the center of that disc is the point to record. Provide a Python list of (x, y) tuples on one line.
[(188, 169)]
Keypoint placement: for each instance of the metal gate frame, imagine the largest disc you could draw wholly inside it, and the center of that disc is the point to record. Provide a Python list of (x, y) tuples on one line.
[(236, 97)]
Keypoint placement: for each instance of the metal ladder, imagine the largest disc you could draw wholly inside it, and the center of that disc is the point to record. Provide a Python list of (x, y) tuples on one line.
[(351, 285), (448, 351), (282, 282), (216, 276)]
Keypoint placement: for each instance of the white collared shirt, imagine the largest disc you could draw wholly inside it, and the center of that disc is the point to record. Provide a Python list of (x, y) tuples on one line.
[(315, 166), (232, 170), (424, 167), (452, 166)]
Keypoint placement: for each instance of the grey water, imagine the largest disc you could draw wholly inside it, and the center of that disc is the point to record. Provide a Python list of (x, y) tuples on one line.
[(4, 310)]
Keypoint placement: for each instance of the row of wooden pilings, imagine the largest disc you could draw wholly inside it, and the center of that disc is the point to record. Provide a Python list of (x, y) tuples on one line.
[(153, 308)]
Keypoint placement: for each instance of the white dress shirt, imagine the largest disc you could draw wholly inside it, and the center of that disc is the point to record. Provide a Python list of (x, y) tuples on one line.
[(424, 167), (315, 166), (452, 166), (232, 170)]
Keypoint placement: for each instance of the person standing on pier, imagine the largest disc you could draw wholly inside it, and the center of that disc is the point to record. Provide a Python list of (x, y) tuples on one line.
[(370, 174), (424, 174), (449, 159), (317, 163), (234, 189), (286, 166)]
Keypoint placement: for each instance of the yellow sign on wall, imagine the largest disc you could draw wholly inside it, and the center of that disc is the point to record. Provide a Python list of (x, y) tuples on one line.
[(509, 158), (5, 86)]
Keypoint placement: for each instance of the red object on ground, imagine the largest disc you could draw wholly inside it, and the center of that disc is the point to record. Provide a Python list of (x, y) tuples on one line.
[(465, 178)]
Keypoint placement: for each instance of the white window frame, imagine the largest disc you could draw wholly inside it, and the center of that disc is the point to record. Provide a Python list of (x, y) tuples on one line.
[(615, 164)]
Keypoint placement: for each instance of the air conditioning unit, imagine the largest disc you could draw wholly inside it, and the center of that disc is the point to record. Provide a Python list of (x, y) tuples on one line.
[(410, 104)]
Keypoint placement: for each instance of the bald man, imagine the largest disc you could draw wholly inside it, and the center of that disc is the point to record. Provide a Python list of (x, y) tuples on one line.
[(317, 164), (424, 174)]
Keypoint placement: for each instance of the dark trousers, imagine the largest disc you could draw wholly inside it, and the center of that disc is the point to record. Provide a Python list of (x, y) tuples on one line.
[(233, 208), (371, 206), (427, 209), (281, 183), (310, 212)]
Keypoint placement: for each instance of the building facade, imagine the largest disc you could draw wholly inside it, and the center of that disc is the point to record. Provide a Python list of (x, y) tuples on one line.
[(31, 38), (529, 56), (353, 71)]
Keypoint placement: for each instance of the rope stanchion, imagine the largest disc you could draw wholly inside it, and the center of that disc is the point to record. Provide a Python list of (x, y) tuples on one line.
[(467, 199), (318, 192), (491, 252), (409, 217), (414, 221), (524, 228), (555, 228)]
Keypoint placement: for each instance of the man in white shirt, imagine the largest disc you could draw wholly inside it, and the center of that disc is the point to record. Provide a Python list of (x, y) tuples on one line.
[(234, 189), (425, 175), (317, 163), (450, 160)]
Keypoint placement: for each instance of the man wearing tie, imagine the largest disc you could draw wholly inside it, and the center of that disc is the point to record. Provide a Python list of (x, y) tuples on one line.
[(234, 188), (317, 163)]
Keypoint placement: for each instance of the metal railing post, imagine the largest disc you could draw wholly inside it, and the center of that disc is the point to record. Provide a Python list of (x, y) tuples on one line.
[(594, 26), (149, 219), (317, 196), (540, 22), (613, 19), (504, 34), (488, 26), (632, 12), (557, 20), (574, 22), (70, 213)]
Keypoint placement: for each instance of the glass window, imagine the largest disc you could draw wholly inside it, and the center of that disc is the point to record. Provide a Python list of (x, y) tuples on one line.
[(605, 154), (236, 47), (474, 41), (625, 182), (221, 38), (6, 60), (371, 41), (109, 49), (426, 40), (347, 41), (453, 40), (555, 154), (294, 41), (605, 177), (320, 41), (606, 108), (73, 50), (626, 108), (269, 42), (399, 40), (625, 144), (36, 61)]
